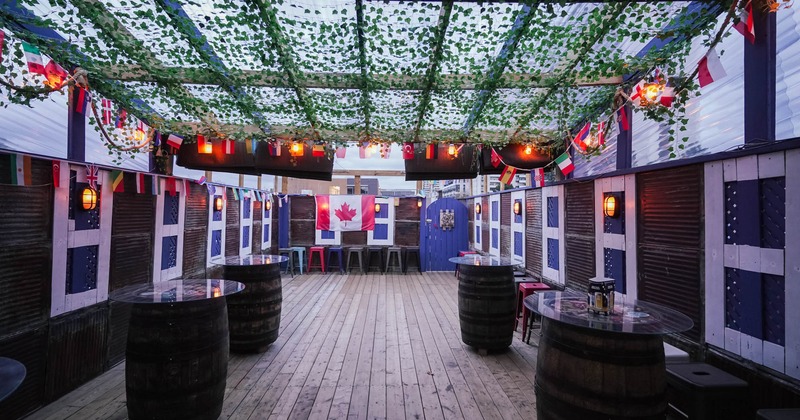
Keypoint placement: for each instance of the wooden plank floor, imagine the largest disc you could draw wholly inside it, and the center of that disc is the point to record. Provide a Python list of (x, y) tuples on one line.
[(356, 347)]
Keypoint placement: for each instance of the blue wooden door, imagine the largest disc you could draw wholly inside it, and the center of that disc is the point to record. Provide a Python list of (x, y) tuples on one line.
[(440, 243)]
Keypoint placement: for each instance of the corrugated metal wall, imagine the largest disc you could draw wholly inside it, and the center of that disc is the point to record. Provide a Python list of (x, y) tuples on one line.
[(76, 350), (505, 225), (132, 232), (303, 221), (195, 232), (533, 232), (232, 217), (579, 261), (670, 240)]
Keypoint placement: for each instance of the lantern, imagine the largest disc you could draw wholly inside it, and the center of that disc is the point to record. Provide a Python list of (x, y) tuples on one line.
[(517, 208), (89, 198), (419, 203), (477, 208), (377, 208), (268, 205), (528, 149), (451, 150), (610, 206), (217, 203), (650, 93)]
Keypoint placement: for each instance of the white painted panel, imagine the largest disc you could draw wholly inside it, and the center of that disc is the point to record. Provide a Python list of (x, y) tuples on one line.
[(747, 168), (752, 348), (389, 220), (266, 223), (613, 241), (518, 226), (554, 233), (599, 184), (729, 168), (731, 252), (732, 341), (792, 271), (772, 261), (336, 240), (617, 183), (246, 248), (216, 225), (477, 224), (749, 258), (495, 198), (771, 165), (631, 269), (715, 249), (774, 356)]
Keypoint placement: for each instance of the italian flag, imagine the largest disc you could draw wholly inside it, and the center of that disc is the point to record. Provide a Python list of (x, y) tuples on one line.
[(34, 58), (565, 164), (345, 212)]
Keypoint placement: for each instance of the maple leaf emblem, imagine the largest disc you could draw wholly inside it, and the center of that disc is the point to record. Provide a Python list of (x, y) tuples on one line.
[(345, 213)]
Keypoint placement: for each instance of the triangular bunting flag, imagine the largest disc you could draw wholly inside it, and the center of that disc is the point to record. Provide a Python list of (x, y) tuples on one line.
[(116, 181), (710, 68), (33, 57), (507, 176), (408, 150), (564, 163), (538, 177), (20, 169)]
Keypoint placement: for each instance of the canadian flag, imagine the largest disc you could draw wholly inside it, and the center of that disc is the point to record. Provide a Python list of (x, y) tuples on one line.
[(345, 212)]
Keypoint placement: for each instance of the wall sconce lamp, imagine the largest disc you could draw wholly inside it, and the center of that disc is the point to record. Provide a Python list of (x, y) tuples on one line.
[(610, 206), (89, 198), (419, 203), (517, 208), (377, 208), (477, 208), (268, 205), (451, 150), (217, 203)]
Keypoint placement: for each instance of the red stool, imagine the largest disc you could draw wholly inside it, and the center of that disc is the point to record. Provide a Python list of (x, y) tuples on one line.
[(461, 254), (320, 252), (525, 290)]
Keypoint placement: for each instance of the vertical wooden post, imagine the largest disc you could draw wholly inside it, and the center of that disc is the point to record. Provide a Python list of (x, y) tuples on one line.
[(285, 184), (275, 182), (241, 180), (357, 185), (485, 184), (624, 141), (208, 176), (259, 181)]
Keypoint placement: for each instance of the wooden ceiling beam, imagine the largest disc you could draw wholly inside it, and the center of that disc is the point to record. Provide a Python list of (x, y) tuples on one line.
[(367, 172)]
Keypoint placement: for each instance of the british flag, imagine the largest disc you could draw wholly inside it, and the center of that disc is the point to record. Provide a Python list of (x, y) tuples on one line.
[(92, 173)]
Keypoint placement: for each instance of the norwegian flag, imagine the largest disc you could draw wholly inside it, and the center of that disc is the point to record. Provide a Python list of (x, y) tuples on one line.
[(92, 174), (408, 150), (229, 147), (106, 105)]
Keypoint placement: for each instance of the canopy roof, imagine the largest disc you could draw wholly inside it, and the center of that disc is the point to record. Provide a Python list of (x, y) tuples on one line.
[(347, 70)]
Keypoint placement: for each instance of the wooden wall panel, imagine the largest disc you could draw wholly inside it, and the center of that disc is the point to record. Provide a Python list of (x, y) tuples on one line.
[(533, 232), (76, 349), (232, 217), (670, 240), (580, 262), (406, 226), (195, 232), (355, 238), (132, 233), (303, 220), (485, 210)]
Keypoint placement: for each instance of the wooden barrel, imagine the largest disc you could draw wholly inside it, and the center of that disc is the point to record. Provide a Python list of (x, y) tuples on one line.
[(177, 360), (486, 306), (590, 374), (254, 315)]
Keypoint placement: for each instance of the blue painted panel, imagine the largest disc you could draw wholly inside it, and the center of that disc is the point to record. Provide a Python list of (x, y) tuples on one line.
[(442, 245), (733, 298), (774, 292), (217, 216), (327, 234), (246, 212), (552, 253), (246, 237), (169, 252), (384, 213), (518, 244), (84, 220), (740, 210), (615, 224), (216, 243), (614, 267), (517, 217), (495, 211), (266, 232), (171, 207), (283, 224), (477, 234), (71, 199), (495, 238), (552, 212), (81, 269), (266, 212), (381, 231), (773, 213)]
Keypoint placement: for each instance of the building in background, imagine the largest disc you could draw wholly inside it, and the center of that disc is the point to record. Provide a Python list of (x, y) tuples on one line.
[(368, 186), (314, 187), (457, 188)]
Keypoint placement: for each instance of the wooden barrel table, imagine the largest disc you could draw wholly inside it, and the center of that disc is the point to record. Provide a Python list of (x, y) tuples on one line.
[(486, 301), (177, 350), (594, 366), (254, 316)]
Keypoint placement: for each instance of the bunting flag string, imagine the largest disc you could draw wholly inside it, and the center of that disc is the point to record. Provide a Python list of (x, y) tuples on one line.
[(116, 181), (538, 177), (140, 183), (92, 175), (57, 164), (508, 174), (21, 169)]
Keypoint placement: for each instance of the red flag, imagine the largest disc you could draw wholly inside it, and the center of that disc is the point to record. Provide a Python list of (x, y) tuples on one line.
[(495, 159), (2, 38), (667, 96), (408, 150), (123, 114), (345, 212), (318, 150), (601, 133), (55, 75), (745, 25), (80, 99), (507, 177), (580, 138), (170, 186), (710, 69), (622, 119), (56, 167), (229, 147), (431, 151), (140, 183)]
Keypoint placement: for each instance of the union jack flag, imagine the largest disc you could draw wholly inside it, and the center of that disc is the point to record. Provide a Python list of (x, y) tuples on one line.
[(92, 174)]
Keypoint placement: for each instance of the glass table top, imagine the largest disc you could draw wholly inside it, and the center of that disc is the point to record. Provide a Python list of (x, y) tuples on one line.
[(251, 260), (481, 260), (176, 291), (629, 315), (12, 373)]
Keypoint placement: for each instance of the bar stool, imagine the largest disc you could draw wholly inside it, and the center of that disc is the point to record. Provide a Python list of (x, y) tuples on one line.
[(338, 251), (375, 250), (461, 254), (320, 252), (394, 251), (525, 290), (359, 252), (289, 252), (301, 256), (411, 250)]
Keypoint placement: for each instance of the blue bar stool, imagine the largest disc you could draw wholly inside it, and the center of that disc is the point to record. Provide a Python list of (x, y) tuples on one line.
[(337, 250), (301, 256)]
